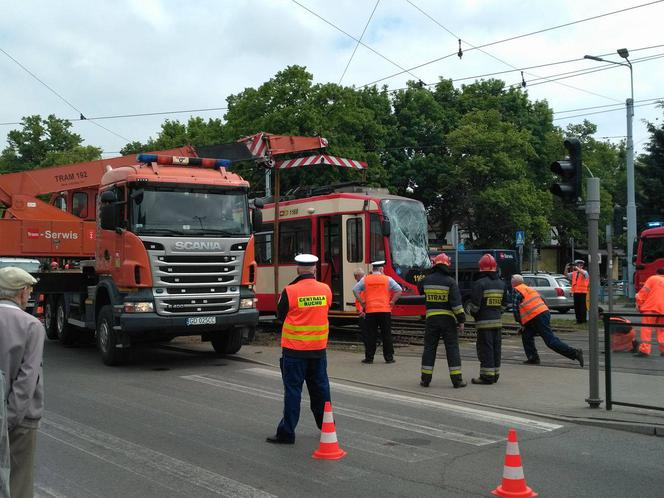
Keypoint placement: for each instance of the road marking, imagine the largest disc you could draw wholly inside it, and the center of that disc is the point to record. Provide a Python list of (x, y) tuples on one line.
[(46, 492), (493, 417), (163, 470), (420, 427)]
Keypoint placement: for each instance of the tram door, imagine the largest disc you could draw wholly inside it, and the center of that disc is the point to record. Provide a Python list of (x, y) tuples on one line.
[(352, 254), (329, 252)]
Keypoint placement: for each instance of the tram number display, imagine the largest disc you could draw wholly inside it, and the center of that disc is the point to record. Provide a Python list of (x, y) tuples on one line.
[(288, 212)]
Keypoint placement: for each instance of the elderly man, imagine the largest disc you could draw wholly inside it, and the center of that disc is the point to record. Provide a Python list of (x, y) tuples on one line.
[(21, 350), (534, 315)]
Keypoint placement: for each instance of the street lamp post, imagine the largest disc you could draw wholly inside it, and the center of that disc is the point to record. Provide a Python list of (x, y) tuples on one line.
[(631, 200)]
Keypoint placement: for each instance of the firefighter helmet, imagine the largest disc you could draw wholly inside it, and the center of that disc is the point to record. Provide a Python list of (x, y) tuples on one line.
[(441, 259), (487, 263)]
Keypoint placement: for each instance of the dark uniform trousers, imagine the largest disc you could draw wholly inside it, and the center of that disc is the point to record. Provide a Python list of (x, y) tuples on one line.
[(540, 325), (580, 307), (489, 342), (373, 322), (437, 326)]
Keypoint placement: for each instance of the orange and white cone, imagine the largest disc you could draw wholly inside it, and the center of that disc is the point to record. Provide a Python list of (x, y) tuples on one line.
[(329, 446), (514, 482)]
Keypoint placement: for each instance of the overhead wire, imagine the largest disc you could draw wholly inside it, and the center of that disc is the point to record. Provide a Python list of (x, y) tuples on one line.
[(52, 90), (512, 38), (358, 42)]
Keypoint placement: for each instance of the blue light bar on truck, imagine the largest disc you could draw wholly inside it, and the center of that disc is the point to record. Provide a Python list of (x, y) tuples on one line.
[(653, 224), (204, 162)]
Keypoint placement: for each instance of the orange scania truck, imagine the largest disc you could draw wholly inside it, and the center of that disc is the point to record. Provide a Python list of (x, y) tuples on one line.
[(137, 249)]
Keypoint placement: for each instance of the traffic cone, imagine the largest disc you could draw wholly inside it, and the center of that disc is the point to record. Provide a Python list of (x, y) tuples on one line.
[(514, 482), (329, 446)]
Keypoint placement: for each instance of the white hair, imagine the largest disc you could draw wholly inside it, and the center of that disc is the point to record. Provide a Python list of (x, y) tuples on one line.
[(358, 271), (517, 278), (9, 293)]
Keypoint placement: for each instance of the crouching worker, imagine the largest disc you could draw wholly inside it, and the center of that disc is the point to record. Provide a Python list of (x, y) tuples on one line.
[(623, 335)]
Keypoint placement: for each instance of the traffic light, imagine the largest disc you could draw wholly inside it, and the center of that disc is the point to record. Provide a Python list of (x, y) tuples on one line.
[(619, 220), (569, 171)]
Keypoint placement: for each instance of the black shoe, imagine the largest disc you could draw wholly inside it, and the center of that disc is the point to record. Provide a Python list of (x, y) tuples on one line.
[(532, 361), (424, 383), (579, 356), (278, 440), (367, 360), (390, 360), (459, 383), (480, 380), (495, 379)]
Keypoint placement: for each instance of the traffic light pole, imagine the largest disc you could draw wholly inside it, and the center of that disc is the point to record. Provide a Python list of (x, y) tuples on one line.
[(592, 212)]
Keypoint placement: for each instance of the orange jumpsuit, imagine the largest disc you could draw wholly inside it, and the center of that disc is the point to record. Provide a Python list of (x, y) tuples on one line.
[(622, 334), (650, 299)]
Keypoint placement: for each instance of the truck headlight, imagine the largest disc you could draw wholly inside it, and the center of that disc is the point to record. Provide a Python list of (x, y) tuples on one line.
[(248, 302), (138, 307)]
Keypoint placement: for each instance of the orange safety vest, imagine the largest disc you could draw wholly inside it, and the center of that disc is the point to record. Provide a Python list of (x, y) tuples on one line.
[(531, 305), (306, 325), (377, 293), (579, 283), (650, 299), (358, 307)]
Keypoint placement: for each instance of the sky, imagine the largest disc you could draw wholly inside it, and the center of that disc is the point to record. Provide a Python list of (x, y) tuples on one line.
[(109, 58)]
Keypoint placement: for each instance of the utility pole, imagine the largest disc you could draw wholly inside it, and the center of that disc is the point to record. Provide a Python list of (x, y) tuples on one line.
[(609, 265), (592, 212)]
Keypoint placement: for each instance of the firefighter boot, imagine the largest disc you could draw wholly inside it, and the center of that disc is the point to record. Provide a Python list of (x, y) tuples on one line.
[(457, 381), (482, 379), (426, 380)]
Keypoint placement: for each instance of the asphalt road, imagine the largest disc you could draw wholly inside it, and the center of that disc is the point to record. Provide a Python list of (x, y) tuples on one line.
[(176, 423)]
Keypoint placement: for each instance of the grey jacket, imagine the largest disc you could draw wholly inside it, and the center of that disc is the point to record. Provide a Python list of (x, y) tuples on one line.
[(21, 351)]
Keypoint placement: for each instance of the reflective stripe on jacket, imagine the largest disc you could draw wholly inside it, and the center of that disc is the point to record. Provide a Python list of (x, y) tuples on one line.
[(306, 325), (531, 305), (377, 293), (442, 296), (579, 282), (650, 299)]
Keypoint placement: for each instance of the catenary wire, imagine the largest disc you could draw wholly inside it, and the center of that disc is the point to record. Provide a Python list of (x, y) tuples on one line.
[(516, 37), (358, 42)]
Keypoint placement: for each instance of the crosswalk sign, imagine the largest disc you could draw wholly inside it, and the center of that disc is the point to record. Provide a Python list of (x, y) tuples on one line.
[(520, 237)]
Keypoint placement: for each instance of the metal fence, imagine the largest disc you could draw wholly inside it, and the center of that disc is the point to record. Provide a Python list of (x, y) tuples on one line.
[(609, 327)]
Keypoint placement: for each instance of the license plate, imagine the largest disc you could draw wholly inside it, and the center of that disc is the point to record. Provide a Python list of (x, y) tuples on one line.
[(201, 320)]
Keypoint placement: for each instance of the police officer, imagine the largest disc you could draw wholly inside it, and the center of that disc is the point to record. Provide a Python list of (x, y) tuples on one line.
[(579, 278), (303, 308), (444, 315), (486, 305), (377, 293)]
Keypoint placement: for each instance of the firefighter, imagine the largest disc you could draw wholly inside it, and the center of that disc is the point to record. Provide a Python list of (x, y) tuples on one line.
[(303, 308), (444, 316), (534, 316), (377, 293), (580, 280), (486, 306), (650, 300)]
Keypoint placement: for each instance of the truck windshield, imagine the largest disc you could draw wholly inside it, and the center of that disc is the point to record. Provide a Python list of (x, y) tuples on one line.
[(408, 233), (179, 211)]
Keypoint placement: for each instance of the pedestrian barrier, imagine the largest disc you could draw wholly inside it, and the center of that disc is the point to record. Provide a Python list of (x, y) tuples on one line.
[(514, 482), (329, 446), (609, 326)]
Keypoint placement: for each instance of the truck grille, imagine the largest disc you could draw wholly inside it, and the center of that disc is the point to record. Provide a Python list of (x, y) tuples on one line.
[(196, 284)]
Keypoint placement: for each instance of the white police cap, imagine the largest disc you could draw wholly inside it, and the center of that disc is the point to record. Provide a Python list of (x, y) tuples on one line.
[(13, 278), (306, 259), (378, 264)]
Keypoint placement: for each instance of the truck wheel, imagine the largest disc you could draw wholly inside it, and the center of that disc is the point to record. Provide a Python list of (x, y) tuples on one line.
[(107, 339), (228, 342), (49, 322), (562, 311), (63, 331)]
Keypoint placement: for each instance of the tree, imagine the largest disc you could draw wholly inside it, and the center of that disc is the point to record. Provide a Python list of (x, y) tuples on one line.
[(650, 177), (44, 142)]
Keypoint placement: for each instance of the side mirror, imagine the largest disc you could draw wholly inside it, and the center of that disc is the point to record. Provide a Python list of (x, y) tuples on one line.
[(259, 203), (385, 228), (108, 216), (108, 197), (137, 195), (257, 219)]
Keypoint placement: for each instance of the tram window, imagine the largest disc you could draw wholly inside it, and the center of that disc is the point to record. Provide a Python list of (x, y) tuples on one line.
[(376, 241), (263, 247), (61, 203), (354, 242), (79, 204), (294, 238)]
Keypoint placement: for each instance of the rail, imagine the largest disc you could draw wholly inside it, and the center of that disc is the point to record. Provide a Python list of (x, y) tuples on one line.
[(608, 326)]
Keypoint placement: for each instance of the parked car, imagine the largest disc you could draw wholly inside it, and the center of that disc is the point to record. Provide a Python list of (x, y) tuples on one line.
[(29, 265), (555, 289)]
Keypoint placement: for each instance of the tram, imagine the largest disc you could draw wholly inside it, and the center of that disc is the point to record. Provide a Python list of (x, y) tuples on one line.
[(346, 226)]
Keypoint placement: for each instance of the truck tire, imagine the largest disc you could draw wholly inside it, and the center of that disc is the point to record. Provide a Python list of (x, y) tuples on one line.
[(228, 342), (65, 333), (49, 319), (107, 339), (562, 311)]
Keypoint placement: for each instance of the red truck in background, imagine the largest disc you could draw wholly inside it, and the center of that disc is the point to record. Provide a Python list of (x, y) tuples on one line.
[(649, 254)]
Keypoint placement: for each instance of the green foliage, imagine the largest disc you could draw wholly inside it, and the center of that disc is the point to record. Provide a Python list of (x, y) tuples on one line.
[(650, 177)]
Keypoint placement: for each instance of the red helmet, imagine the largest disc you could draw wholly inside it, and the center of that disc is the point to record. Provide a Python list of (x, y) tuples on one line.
[(441, 259), (487, 263)]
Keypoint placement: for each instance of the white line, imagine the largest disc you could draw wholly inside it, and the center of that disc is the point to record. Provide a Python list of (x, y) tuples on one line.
[(474, 413), (143, 461), (439, 431), (47, 492)]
